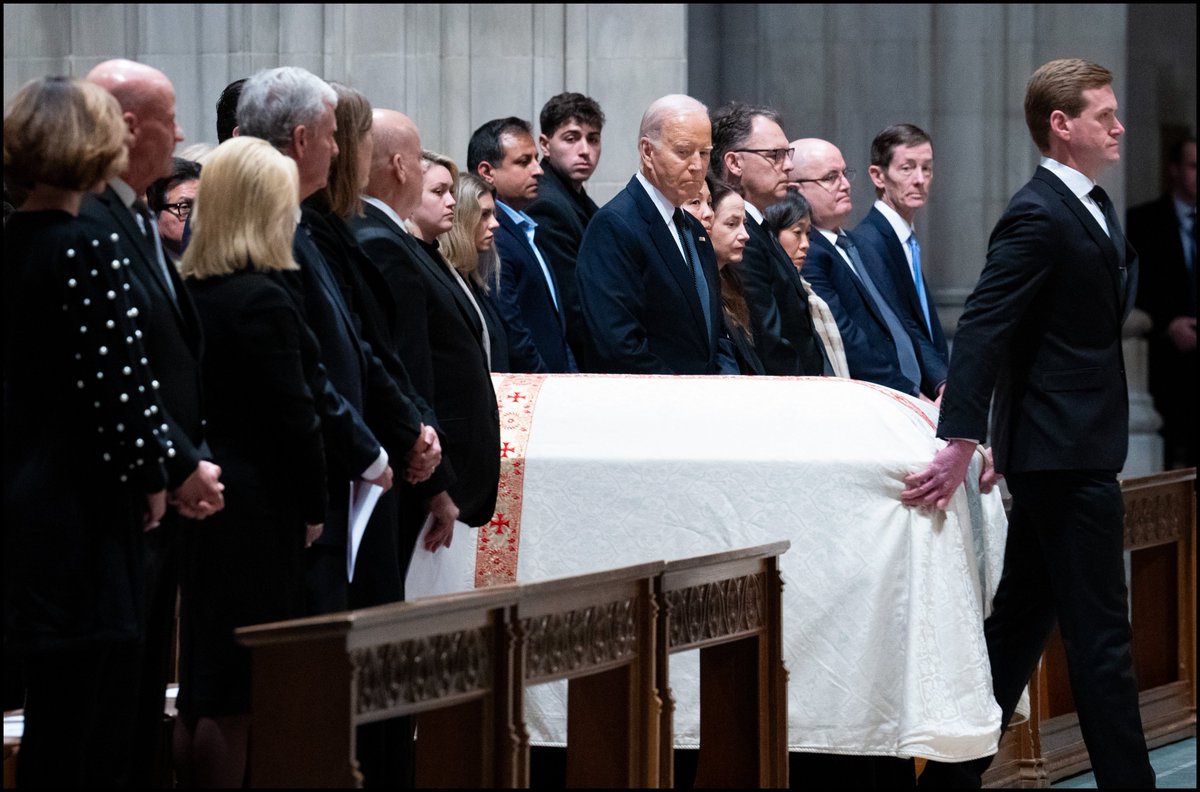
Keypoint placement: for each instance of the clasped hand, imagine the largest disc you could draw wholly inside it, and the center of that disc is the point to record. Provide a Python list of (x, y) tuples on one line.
[(424, 457), (200, 495)]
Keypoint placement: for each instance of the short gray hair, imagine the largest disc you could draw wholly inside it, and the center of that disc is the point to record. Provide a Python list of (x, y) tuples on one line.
[(276, 101)]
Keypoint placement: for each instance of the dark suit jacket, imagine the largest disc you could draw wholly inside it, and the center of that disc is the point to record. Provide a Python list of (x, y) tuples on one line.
[(638, 294), (439, 339), (1165, 291), (369, 298), (534, 325), (562, 215), (870, 349), (1043, 328), (262, 370), (172, 335), (876, 233), (356, 378), (783, 330)]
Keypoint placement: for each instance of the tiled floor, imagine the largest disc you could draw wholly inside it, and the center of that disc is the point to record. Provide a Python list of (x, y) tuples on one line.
[(1175, 766)]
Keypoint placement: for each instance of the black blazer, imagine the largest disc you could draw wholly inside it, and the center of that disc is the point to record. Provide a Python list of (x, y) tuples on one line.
[(783, 330), (439, 338), (562, 214), (370, 300), (870, 349), (80, 449), (1043, 329), (355, 377), (876, 233), (535, 325), (262, 371), (638, 294), (172, 336)]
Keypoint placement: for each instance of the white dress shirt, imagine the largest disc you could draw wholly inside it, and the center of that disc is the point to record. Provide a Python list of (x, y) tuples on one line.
[(1080, 185)]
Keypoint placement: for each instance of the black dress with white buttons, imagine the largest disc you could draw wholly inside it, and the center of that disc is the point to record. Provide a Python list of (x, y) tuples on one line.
[(83, 430)]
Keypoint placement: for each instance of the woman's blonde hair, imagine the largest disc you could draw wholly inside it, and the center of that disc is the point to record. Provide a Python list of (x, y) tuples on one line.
[(353, 114), (458, 244), (245, 211), (428, 160), (64, 132)]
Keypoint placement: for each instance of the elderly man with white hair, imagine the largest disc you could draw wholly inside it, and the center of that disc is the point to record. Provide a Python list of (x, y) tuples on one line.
[(647, 272)]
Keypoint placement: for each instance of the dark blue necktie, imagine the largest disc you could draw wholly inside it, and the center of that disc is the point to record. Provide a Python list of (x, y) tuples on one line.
[(692, 259)]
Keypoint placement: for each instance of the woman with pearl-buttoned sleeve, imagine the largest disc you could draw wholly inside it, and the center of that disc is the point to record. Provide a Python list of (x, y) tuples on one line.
[(84, 456)]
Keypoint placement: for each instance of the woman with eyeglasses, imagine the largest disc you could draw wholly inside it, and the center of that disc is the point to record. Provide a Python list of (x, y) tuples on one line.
[(171, 199), (84, 473)]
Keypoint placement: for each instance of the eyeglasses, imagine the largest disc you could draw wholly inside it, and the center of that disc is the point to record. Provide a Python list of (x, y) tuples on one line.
[(775, 156), (182, 210), (831, 179)]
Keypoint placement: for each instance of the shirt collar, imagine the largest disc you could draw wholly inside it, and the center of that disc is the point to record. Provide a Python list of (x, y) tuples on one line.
[(832, 236), (387, 210), (665, 207), (123, 191), (518, 217), (752, 210), (1185, 212), (899, 224), (1076, 182)]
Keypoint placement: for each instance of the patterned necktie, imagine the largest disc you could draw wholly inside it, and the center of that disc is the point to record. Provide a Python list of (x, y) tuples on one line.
[(905, 353), (692, 258), (919, 280), (149, 229)]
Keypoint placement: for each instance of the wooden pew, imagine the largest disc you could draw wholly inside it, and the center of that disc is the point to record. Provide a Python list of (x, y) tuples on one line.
[(447, 658), (1160, 536), (728, 605), (598, 631)]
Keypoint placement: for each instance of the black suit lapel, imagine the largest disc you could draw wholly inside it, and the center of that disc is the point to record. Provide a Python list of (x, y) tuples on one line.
[(518, 234), (143, 250), (863, 294), (895, 250), (668, 251), (1107, 244), (447, 282), (782, 261)]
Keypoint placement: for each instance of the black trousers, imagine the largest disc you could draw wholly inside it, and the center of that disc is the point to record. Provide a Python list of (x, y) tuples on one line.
[(1064, 562), (79, 724), (162, 587)]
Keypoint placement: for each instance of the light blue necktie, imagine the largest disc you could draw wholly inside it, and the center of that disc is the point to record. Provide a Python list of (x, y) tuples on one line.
[(919, 280)]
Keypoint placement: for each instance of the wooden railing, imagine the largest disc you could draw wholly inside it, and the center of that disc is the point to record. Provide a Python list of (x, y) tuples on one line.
[(727, 605), (1160, 537), (461, 663)]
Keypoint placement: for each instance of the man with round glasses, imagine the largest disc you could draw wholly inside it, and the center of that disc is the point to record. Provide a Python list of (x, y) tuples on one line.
[(881, 345), (751, 153), (171, 198)]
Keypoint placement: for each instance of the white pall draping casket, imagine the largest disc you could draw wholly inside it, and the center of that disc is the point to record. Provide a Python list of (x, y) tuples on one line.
[(883, 605)]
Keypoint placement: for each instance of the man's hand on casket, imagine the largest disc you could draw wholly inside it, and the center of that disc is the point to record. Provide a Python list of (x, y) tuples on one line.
[(988, 477), (935, 485), (444, 511)]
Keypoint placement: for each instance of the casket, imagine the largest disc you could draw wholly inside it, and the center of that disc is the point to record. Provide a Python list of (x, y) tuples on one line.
[(883, 605)]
